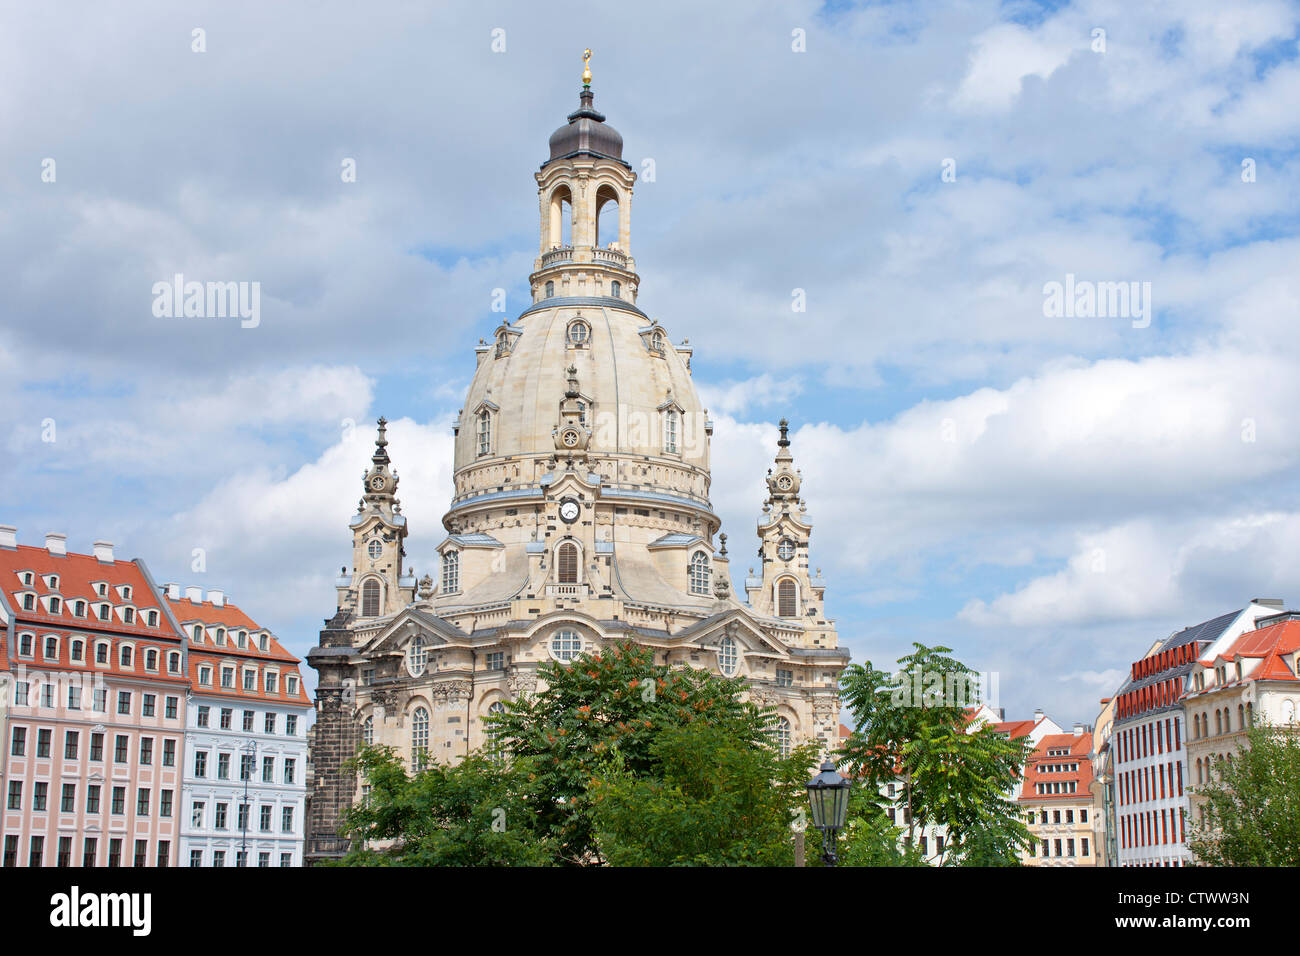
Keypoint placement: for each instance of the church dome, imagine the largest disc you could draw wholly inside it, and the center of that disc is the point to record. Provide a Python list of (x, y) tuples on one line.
[(629, 378), (587, 132)]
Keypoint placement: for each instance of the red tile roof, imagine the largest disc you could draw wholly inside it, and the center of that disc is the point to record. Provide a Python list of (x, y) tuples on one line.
[(1016, 728), (1270, 645), (233, 619)]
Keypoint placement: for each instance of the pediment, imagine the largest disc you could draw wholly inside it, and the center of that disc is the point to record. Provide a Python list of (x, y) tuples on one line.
[(398, 633), (739, 626)]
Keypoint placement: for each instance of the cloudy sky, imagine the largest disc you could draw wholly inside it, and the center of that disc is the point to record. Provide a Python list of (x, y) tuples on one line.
[(1045, 494)]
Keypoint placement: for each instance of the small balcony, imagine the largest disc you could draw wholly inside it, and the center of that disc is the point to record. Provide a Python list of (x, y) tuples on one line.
[(610, 257), (557, 255)]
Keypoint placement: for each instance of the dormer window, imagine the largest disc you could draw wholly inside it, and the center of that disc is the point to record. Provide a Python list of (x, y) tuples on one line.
[(173, 663), (503, 344), (728, 656), (205, 676), (103, 612), (291, 688), (198, 633), (242, 640), (128, 615), (52, 582), (672, 422), (221, 637), (657, 342), (699, 573), (126, 592), (125, 655), (101, 589), (153, 619), (228, 678), (78, 608), (26, 645), (56, 605), (151, 660), (78, 651), (484, 432), (263, 643), (51, 648), (451, 572), (29, 602), (26, 579)]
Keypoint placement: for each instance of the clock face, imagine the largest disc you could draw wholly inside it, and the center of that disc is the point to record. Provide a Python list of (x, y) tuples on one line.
[(377, 482), (784, 483), (785, 550), (569, 510), (570, 438)]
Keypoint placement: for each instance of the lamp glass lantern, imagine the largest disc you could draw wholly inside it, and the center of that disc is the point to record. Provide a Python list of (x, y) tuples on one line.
[(828, 798)]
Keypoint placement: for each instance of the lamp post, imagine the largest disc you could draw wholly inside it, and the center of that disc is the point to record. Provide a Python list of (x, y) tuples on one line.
[(249, 749), (828, 797)]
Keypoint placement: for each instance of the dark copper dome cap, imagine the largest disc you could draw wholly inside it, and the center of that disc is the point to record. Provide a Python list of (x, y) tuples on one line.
[(587, 132)]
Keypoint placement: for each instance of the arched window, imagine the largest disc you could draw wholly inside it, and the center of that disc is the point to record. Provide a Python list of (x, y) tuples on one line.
[(375, 548), (451, 572), (198, 633), (550, 289), (657, 342), (565, 645), (786, 598), (484, 432), (699, 573), (616, 289), (151, 660), (566, 563), (368, 732), (370, 599), (1241, 716), (419, 739), (728, 656), (671, 421), (1218, 721), (781, 735), (125, 657), (579, 332), (494, 743)]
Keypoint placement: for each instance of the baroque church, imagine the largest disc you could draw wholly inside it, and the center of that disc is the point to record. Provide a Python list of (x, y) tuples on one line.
[(580, 517)]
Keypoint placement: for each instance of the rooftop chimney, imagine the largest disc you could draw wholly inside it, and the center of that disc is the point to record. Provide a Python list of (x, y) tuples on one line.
[(56, 543), (173, 591), (1078, 730), (218, 598), (195, 594), (1270, 602), (1038, 715), (8, 536), (103, 551)]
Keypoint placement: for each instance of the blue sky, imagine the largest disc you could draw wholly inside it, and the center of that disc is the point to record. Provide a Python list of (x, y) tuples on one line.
[(1048, 496)]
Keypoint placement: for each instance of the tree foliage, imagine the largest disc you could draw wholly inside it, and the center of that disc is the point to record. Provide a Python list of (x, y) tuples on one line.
[(476, 813), (1252, 806), (710, 802), (911, 729)]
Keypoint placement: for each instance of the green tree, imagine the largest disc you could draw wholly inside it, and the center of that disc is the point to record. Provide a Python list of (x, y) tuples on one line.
[(869, 838), (476, 813), (911, 728), (1252, 805), (600, 716), (710, 802)]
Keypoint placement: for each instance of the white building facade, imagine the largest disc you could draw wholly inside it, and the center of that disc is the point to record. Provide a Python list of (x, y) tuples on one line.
[(245, 768)]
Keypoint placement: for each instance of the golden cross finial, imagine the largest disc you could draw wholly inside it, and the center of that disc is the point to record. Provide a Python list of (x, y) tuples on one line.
[(586, 68)]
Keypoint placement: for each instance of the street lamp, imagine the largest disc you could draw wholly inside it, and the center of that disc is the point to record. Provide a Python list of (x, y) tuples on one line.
[(828, 796), (246, 771)]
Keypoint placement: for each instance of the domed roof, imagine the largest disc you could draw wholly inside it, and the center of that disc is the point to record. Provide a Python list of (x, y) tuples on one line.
[(587, 132), (627, 375)]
